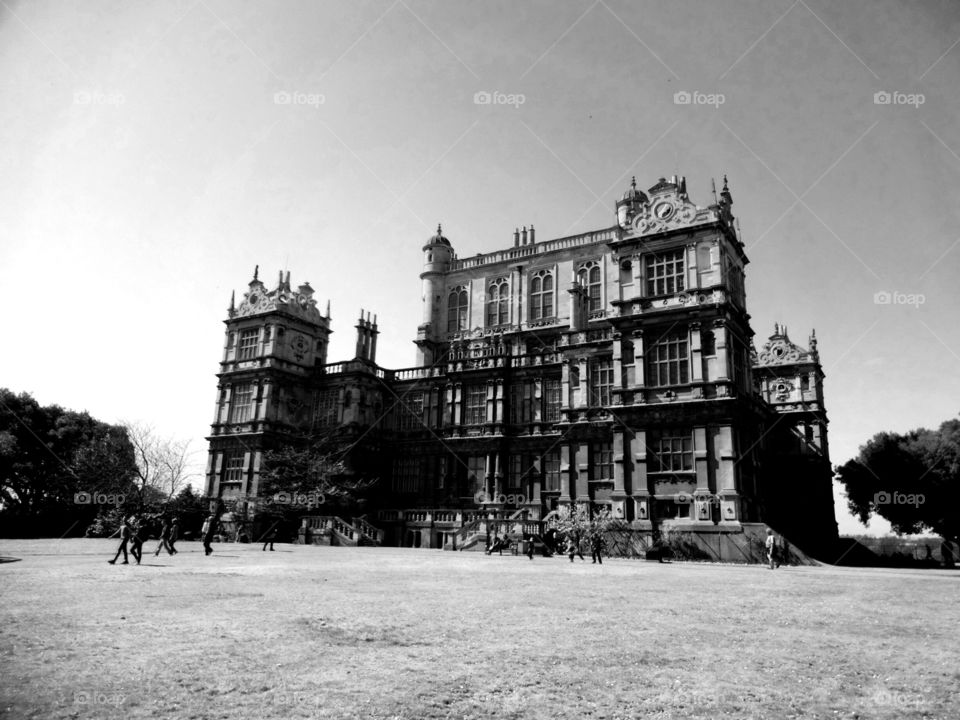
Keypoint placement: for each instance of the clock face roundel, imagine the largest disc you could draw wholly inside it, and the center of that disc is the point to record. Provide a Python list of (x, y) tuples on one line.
[(663, 210)]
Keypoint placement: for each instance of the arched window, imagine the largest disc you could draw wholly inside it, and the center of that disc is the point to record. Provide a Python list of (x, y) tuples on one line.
[(541, 295), (498, 302), (589, 276), (457, 310)]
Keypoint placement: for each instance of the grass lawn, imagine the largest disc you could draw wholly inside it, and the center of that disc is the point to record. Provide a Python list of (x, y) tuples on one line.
[(378, 633)]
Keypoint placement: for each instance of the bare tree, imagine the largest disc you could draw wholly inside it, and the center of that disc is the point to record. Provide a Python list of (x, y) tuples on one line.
[(162, 463)]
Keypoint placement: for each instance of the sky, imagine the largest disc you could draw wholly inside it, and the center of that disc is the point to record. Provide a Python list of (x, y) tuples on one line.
[(153, 153)]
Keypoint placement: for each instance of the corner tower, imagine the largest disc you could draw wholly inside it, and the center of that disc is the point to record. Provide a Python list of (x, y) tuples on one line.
[(437, 255), (272, 342)]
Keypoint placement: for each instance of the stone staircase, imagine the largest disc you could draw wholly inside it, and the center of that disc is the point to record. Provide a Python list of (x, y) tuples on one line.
[(333, 530)]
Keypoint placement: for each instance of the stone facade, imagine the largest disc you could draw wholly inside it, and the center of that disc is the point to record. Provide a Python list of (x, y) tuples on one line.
[(614, 368)]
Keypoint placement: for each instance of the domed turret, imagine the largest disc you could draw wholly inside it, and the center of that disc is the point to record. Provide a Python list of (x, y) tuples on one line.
[(630, 204)]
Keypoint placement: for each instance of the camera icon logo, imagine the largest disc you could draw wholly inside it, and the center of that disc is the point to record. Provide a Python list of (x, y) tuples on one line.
[(882, 298), (82, 498), (283, 498), (881, 498), (682, 97), (881, 97), (282, 98), (482, 98)]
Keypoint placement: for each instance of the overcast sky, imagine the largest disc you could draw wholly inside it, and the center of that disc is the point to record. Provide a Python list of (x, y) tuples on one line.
[(152, 153)]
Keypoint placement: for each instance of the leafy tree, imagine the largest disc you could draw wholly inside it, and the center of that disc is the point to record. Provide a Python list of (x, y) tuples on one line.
[(911, 480), (49, 457)]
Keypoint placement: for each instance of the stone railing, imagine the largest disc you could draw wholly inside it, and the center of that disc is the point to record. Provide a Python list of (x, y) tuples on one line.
[(528, 251)]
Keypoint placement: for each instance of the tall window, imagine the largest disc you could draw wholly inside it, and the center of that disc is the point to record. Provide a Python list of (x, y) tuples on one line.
[(476, 472), (521, 403), (241, 408), (498, 302), (601, 465), (248, 344), (668, 361), (457, 310), (671, 451), (601, 381), (665, 273), (551, 400), (541, 295), (233, 466), (476, 406), (551, 470), (406, 474), (589, 276), (325, 411), (410, 412)]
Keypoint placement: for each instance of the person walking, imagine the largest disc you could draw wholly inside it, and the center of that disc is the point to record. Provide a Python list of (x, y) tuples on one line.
[(771, 545), (269, 537), (164, 539), (174, 535), (209, 528), (573, 548), (531, 541), (596, 548), (124, 539), (136, 538)]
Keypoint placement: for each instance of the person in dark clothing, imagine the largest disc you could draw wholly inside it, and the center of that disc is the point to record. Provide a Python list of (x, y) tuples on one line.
[(573, 548), (531, 539), (596, 548), (124, 539), (136, 539), (269, 538), (174, 535), (164, 539)]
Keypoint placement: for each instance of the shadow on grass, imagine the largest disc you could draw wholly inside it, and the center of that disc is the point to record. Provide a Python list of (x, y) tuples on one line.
[(9, 559)]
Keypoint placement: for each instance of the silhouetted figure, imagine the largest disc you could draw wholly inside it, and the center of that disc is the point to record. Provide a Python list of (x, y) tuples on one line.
[(124, 539), (531, 541), (573, 548), (164, 539), (596, 548), (136, 539), (174, 535), (269, 538)]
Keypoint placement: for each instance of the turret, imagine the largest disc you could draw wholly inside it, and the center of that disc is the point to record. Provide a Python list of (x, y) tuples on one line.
[(630, 204), (437, 256)]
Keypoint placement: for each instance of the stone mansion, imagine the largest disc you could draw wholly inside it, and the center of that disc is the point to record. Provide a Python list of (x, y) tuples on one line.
[(613, 368)]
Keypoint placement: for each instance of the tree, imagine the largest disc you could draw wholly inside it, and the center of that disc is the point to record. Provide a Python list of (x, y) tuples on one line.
[(56, 463), (161, 464), (911, 480), (306, 474)]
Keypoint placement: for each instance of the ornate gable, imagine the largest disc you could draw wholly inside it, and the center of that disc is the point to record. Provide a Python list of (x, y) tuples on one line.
[(669, 208), (258, 300), (780, 350)]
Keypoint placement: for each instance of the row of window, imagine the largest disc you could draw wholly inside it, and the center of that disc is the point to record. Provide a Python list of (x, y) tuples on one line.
[(665, 276), (668, 451)]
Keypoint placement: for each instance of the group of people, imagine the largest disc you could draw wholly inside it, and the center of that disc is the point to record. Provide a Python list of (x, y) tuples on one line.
[(132, 535), (552, 544)]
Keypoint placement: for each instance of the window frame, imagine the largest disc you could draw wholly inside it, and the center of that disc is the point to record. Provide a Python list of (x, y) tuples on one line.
[(541, 296), (248, 344), (498, 302), (458, 303), (658, 361), (665, 272), (243, 403)]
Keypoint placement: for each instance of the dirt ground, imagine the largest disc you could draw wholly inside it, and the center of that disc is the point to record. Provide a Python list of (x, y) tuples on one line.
[(389, 633)]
